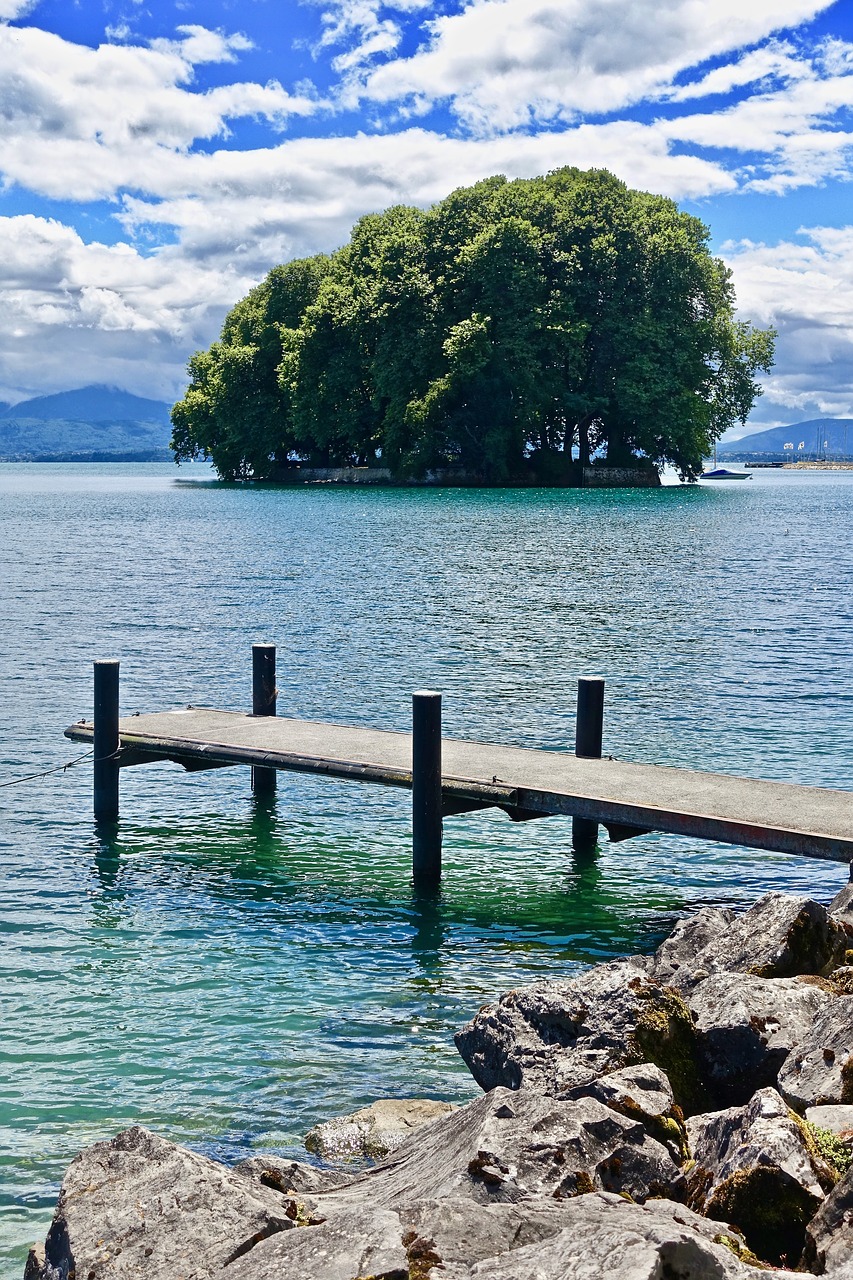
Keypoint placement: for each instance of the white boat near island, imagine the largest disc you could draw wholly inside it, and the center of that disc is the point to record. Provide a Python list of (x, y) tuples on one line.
[(723, 473)]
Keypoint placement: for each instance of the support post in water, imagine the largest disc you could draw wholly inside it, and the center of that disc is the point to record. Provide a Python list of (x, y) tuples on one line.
[(263, 704), (426, 786), (589, 729), (106, 739)]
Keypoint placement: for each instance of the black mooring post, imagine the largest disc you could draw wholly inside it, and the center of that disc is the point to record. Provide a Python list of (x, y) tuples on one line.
[(426, 786), (106, 741), (263, 704), (589, 728)]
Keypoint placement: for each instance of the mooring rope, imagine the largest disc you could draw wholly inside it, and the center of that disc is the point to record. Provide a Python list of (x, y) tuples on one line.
[(60, 768)]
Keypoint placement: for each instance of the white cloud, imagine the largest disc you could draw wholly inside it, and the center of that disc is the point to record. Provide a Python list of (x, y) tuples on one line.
[(305, 194), (81, 123), (804, 289), (12, 9), (774, 61), (793, 131), (503, 64), (107, 313)]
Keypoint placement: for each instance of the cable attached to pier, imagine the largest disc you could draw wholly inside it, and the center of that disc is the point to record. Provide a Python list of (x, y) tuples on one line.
[(60, 768)]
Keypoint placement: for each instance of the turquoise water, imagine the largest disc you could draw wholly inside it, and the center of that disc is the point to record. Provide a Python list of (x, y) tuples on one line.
[(229, 974)]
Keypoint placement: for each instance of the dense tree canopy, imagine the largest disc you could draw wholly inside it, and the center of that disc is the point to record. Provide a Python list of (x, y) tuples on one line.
[(497, 332)]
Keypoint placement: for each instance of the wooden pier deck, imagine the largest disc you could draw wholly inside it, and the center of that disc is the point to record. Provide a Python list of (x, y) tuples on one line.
[(629, 799)]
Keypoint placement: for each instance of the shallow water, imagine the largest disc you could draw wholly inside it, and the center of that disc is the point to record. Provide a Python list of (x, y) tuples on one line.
[(230, 973)]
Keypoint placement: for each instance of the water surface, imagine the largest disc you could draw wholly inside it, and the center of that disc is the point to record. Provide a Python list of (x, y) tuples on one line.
[(229, 973)]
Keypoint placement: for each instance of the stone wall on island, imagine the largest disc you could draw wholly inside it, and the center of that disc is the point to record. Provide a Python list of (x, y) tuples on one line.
[(682, 1116)]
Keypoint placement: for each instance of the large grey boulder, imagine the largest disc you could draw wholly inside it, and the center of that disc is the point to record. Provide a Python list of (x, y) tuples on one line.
[(829, 1236), (691, 935), (556, 1036), (604, 1237), (643, 1093), (819, 1070), (756, 1169), (780, 936), (372, 1132), (747, 1026), (359, 1243), (508, 1145), (139, 1205)]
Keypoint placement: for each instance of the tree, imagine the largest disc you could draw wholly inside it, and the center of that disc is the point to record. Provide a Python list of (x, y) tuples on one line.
[(506, 326)]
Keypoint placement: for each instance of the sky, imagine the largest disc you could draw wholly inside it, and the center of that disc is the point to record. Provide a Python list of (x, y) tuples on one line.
[(158, 157)]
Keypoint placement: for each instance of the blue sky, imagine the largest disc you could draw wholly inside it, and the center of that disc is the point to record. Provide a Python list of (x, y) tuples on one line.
[(159, 156)]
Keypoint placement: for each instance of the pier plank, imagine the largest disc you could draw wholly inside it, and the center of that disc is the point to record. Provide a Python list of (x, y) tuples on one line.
[(784, 817)]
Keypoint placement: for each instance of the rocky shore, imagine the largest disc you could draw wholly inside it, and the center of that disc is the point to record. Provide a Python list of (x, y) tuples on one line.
[(683, 1116)]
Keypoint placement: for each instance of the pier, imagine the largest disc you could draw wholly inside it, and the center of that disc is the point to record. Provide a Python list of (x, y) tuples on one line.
[(448, 776)]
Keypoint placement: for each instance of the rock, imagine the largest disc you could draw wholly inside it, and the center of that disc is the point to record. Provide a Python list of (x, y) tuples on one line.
[(373, 1131), (746, 1028), (842, 903), (141, 1205), (290, 1176), (842, 980), (557, 1036), (604, 1237), (829, 1235), (642, 1093), (837, 1119), (688, 938), (364, 1243), (819, 1070), (781, 936), (754, 1168), (508, 1145)]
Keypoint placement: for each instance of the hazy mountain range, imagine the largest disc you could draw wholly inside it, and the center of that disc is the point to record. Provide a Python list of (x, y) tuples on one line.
[(101, 422), (104, 423), (818, 436)]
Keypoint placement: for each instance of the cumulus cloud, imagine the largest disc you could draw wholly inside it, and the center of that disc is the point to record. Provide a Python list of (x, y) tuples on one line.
[(804, 288), (91, 312), (81, 123), (504, 64), (12, 9)]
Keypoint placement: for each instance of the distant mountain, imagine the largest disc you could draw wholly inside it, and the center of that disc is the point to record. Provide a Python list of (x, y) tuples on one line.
[(92, 423), (91, 404), (818, 436)]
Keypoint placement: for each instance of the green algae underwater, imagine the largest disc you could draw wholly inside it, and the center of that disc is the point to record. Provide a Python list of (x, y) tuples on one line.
[(230, 971)]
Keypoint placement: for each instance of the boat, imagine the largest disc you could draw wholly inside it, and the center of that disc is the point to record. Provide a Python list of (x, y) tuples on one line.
[(723, 473)]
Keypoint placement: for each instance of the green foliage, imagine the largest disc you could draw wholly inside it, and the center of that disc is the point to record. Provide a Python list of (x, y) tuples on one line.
[(830, 1148), (508, 325)]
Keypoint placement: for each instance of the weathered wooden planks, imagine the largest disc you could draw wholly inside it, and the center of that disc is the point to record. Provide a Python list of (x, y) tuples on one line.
[(809, 821)]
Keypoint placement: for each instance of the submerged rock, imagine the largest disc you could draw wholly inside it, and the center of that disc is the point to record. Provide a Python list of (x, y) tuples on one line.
[(819, 1070), (373, 1131), (746, 1028), (557, 1036), (755, 1168)]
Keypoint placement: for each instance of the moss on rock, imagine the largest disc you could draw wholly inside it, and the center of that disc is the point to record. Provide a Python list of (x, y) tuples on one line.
[(665, 1035), (770, 1208)]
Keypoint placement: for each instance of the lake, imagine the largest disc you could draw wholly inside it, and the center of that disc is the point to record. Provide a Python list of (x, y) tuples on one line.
[(228, 973)]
